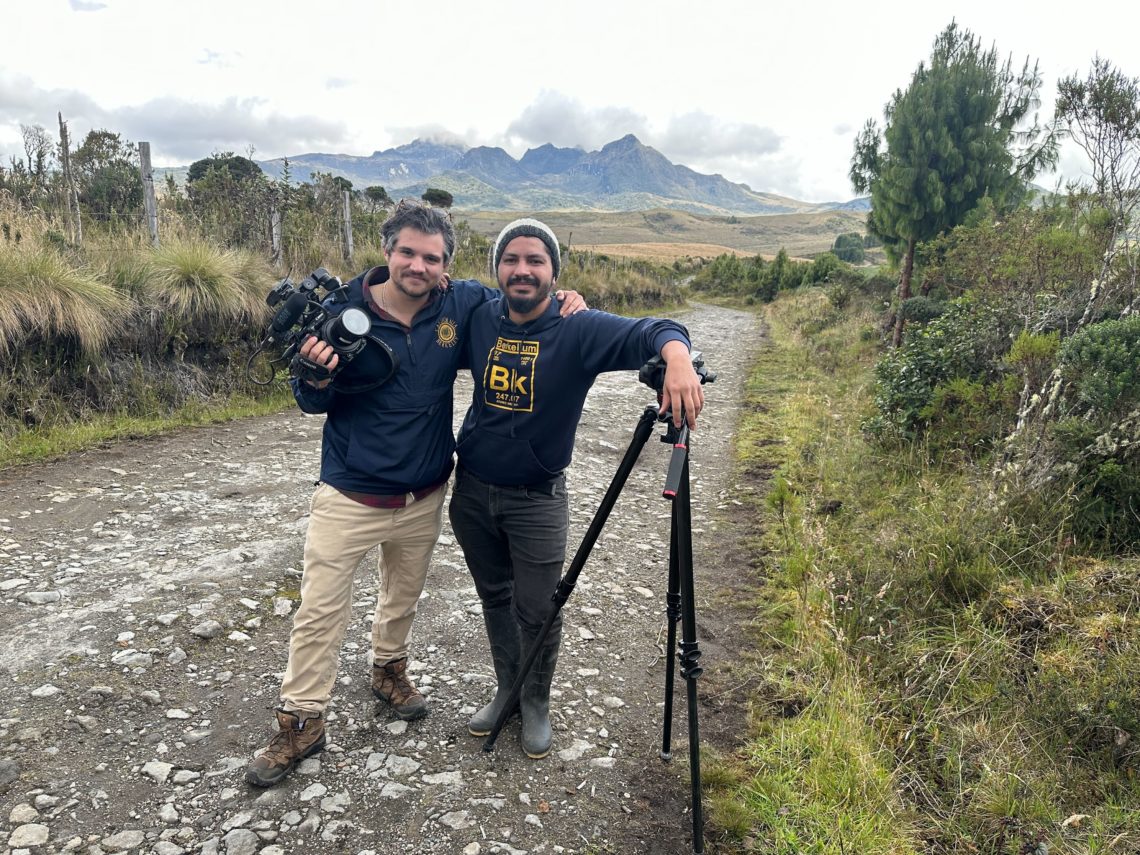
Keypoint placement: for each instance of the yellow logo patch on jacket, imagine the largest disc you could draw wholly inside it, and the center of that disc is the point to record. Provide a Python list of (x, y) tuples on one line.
[(446, 333)]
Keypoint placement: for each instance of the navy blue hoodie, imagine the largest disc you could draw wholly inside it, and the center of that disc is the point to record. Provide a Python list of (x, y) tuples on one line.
[(396, 438), (531, 382)]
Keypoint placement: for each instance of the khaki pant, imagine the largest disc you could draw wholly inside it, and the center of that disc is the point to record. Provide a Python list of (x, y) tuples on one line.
[(341, 531)]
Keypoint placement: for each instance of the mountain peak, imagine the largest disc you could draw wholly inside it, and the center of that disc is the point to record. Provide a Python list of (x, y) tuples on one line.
[(421, 147), (422, 143), (628, 141), (548, 159)]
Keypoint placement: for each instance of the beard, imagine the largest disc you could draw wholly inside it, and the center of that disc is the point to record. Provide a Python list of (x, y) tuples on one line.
[(525, 305)]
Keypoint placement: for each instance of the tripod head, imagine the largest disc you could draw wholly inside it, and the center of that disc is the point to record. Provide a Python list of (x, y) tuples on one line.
[(652, 373)]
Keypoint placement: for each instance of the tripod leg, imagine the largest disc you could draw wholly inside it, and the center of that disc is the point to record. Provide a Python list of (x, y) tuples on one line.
[(672, 617), (690, 650), (566, 585)]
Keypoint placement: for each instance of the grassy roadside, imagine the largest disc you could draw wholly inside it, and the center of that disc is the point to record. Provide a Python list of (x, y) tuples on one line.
[(947, 681), (813, 777), (46, 443)]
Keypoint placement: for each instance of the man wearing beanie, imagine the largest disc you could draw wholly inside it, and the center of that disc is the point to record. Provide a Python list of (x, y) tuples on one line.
[(386, 455), (509, 508)]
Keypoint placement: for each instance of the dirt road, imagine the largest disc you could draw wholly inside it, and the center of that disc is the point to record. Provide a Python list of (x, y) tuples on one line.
[(145, 599)]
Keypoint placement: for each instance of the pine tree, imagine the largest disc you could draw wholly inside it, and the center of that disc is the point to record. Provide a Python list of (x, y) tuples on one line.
[(951, 139)]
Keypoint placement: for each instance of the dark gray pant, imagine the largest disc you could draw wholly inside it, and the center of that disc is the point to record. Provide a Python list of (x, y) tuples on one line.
[(514, 542)]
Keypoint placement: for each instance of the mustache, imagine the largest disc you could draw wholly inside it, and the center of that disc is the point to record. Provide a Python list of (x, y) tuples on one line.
[(523, 280)]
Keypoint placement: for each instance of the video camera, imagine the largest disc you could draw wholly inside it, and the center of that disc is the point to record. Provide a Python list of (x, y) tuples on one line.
[(305, 312)]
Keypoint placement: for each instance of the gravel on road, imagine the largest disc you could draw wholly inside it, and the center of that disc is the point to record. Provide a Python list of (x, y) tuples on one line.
[(146, 593)]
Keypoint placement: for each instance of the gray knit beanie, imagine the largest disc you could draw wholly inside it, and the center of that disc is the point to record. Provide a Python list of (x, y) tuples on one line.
[(526, 227)]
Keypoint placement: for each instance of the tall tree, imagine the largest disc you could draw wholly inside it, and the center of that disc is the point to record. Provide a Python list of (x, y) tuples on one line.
[(954, 136), (110, 187), (237, 166), (377, 197), (849, 247), (38, 147), (438, 198), (229, 196), (1102, 114)]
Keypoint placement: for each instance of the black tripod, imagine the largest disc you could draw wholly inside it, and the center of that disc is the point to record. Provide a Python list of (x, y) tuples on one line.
[(679, 599)]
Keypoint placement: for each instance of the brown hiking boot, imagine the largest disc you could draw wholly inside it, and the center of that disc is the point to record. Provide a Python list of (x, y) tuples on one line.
[(296, 739), (390, 683)]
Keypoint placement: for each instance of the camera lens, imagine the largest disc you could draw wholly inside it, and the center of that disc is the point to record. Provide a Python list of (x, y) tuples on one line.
[(355, 321), (347, 328)]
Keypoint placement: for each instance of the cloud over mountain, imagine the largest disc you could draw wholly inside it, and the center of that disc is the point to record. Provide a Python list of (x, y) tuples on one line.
[(178, 129)]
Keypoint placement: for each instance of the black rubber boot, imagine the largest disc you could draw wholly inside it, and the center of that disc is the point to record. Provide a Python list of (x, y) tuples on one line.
[(503, 636), (534, 701)]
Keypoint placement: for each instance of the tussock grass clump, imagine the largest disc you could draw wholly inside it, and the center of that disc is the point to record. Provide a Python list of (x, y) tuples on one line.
[(198, 281), (127, 267), (303, 255), (42, 295)]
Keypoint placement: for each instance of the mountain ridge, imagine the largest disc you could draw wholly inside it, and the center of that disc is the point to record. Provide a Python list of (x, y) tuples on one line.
[(624, 174)]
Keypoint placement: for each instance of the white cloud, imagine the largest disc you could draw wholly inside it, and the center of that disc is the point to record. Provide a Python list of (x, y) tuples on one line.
[(431, 132), (741, 151), (698, 135), (179, 130), (566, 122)]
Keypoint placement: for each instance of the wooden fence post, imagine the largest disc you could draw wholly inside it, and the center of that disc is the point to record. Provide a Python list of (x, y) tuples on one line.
[(348, 227), (69, 191), (150, 204), (275, 234)]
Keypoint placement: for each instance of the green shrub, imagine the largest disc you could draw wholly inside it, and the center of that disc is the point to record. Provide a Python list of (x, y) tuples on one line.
[(1035, 355), (969, 416), (967, 341), (839, 294), (922, 309), (879, 284), (1095, 468), (1100, 483), (823, 269), (1102, 363)]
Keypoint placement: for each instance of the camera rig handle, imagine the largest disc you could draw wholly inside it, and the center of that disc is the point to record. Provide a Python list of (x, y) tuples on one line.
[(652, 373)]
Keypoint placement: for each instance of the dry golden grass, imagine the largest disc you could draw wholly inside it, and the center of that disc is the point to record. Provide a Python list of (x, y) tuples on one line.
[(26, 226), (43, 294), (667, 253), (660, 253), (805, 234), (197, 279)]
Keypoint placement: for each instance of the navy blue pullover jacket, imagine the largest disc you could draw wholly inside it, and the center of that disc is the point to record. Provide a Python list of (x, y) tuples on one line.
[(396, 438), (531, 382)]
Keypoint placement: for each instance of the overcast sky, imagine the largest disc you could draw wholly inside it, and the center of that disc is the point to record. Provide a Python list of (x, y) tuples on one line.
[(770, 95)]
